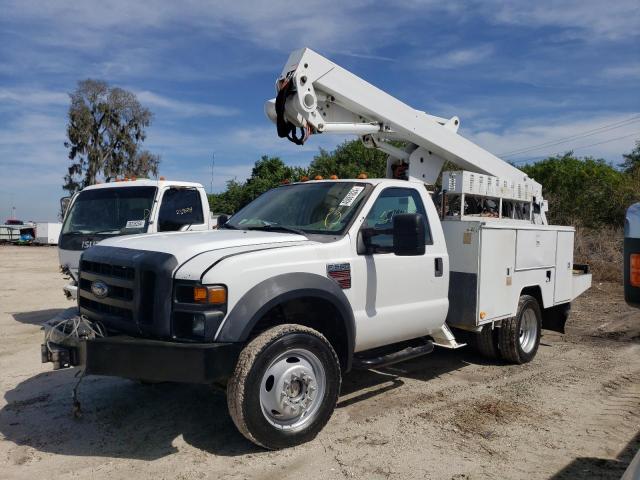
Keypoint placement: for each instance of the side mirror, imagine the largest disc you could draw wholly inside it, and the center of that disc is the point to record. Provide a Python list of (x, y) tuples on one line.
[(408, 234), (222, 219), (64, 205)]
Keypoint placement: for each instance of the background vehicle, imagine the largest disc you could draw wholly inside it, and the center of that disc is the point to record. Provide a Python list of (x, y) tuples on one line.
[(313, 279), (125, 208), (48, 233), (632, 255)]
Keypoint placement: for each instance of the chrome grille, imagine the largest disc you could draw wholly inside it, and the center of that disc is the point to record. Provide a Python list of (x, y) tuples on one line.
[(119, 303)]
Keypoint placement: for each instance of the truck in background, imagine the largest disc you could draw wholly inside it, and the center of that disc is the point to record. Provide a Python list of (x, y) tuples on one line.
[(127, 207), (47, 233), (632, 255)]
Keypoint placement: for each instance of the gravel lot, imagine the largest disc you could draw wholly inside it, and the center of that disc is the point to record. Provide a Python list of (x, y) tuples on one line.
[(574, 412)]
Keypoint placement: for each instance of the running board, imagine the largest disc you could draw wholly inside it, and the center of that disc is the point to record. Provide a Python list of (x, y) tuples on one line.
[(444, 338), (364, 363)]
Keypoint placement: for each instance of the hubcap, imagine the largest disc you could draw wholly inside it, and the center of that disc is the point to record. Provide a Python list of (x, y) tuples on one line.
[(292, 389), (528, 330)]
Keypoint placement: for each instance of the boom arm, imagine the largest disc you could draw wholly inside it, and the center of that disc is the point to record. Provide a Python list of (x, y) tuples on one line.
[(319, 96)]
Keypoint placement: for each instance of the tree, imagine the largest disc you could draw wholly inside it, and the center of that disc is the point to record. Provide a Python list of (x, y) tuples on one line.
[(267, 173), (583, 191), (106, 128), (631, 163), (348, 160), (142, 164)]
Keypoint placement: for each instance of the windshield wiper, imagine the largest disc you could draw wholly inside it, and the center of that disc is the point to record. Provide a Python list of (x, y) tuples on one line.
[(274, 227), (229, 226), (106, 231)]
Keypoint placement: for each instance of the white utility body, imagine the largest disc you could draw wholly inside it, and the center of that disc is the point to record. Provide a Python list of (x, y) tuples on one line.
[(494, 253), (314, 278), (123, 208)]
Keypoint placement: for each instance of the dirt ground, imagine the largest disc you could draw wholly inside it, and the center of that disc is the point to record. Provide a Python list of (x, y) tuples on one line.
[(574, 412)]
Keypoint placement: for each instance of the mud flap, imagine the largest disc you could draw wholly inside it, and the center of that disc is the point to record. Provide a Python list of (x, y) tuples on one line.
[(555, 318)]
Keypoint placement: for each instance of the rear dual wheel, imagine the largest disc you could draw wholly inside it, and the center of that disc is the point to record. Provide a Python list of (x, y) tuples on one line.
[(517, 339), (519, 336)]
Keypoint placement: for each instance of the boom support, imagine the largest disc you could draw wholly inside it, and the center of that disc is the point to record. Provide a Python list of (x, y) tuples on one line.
[(318, 96)]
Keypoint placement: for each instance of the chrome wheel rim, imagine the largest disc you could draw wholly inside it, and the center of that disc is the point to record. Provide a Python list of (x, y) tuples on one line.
[(292, 389), (528, 330)]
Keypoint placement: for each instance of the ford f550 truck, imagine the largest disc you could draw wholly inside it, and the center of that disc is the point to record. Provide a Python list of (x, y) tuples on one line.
[(313, 279)]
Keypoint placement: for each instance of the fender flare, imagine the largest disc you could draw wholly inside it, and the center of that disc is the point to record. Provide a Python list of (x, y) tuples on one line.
[(269, 293)]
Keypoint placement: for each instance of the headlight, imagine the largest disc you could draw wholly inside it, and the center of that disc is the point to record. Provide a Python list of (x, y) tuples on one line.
[(198, 311), (202, 294), (216, 295)]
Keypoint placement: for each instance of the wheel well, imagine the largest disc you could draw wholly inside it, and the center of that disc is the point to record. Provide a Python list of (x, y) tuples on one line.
[(312, 312), (535, 292)]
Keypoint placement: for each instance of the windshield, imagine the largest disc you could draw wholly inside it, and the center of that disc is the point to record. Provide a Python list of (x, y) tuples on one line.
[(113, 211), (323, 208)]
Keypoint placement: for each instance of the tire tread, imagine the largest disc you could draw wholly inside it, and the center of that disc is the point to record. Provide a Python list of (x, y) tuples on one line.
[(238, 380)]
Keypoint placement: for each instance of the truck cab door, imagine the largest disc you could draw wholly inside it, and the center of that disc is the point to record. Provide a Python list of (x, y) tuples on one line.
[(181, 210), (404, 297)]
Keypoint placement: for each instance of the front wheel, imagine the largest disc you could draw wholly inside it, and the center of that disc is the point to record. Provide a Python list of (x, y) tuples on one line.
[(519, 336), (285, 386)]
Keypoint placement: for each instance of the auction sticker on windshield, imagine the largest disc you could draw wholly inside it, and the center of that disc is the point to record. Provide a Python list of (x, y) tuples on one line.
[(349, 198), (134, 224)]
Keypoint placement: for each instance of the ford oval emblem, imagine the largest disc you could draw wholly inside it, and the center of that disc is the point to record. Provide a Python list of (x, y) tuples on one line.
[(99, 289)]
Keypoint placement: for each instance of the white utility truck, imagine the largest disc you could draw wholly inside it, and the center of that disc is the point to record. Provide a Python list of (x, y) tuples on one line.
[(126, 207), (315, 278)]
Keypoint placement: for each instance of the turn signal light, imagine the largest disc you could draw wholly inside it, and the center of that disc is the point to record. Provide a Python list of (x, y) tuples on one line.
[(634, 271), (318, 177), (214, 295), (362, 176), (333, 177)]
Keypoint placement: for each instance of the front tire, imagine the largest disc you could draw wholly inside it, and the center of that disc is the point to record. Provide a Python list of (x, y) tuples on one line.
[(285, 386), (519, 336)]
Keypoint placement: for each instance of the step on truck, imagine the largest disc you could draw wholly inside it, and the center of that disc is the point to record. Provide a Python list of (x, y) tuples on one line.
[(126, 207), (314, 279)]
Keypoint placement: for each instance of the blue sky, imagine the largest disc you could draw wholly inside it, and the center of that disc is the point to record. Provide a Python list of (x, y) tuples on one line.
[(517, 74)]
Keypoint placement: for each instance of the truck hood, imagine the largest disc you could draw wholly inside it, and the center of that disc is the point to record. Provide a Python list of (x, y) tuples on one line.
[(185, 245)]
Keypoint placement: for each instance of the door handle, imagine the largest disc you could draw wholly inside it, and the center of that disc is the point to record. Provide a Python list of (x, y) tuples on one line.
[(439, 267)]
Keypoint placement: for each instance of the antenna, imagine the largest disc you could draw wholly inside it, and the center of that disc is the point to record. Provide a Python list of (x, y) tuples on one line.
[(213, 162)]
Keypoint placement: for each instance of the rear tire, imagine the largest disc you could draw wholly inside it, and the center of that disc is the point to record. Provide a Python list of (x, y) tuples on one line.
[(486, 342), (519, 336), (284, 387)]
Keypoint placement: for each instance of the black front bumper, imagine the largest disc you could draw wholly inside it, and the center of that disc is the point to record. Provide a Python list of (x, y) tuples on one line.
[(151, 360)]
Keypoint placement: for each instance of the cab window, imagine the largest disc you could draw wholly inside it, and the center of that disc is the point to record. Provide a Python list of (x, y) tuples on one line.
[(180, 207), (391, 202)]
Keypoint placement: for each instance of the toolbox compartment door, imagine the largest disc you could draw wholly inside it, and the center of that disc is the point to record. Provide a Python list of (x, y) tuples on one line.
[(564, 268), (496, 271)]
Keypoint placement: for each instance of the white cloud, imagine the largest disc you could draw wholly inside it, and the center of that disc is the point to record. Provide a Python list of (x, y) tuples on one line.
[(276, 24), (33, 130), (623, 72), (593, 20), (522, 135), (182, 108), (460, 57), (20, 96)]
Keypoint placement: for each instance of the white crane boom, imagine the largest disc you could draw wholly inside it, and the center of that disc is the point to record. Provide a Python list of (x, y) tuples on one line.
[(318, 96)]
